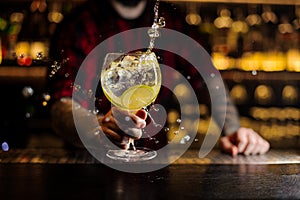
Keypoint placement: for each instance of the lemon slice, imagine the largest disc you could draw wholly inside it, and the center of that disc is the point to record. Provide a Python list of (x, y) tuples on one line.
[(137, 97)]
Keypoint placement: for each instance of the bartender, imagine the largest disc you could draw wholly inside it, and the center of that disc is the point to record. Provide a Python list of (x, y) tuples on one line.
[(89, 25)]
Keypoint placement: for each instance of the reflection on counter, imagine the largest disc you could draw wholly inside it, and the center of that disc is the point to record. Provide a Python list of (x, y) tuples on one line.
[(190, 157)]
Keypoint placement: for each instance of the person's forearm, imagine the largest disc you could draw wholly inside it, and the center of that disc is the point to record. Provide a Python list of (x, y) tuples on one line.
[(63, 124), (232, 122), (223, 106)]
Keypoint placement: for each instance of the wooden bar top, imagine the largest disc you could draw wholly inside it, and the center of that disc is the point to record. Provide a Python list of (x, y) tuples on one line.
[(184, 179)]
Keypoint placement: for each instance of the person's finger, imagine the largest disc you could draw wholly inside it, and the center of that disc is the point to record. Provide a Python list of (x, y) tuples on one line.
[(228, 147), (234, 150), (122, 117), (110, 122), (125, 144), (241, 139), (259, 147), (111, 134), (125, 119), (265, 147), (117, 123), (134, 133), (252, 143), (121, 141), (139, 122), (141, 114), (114, 120)]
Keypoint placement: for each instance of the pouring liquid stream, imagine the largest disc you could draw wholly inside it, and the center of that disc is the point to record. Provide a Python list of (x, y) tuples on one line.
[(158, 22)]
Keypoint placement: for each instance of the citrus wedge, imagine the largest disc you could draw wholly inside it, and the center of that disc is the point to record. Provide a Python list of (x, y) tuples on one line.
[(137, 97)]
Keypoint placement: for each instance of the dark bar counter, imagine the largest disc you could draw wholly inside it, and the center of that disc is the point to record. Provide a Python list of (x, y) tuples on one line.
[(61, 174)]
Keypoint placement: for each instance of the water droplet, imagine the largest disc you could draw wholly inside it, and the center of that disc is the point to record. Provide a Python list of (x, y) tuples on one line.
[(182, 128), (185, 139), (106, 119), (166, 129), (188, 77), (65, 60), (254, 72), (57, 65), (77, 106), (153, 33), (217, 87), (212, 75), (39, 56), (155, 108), (67, 75), (77, 87), (95, 112), (90, 93), (127, 118), (178, 120), (150, 138), (161, 22), (176, 132)]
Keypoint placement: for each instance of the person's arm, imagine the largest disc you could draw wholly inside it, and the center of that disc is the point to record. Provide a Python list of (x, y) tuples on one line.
[(225, 107), (62, 121), (236, 139), (118, 125), (245, 141)]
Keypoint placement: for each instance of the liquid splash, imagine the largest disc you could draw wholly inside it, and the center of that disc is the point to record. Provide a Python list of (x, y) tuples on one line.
[(153, 121), (159, 22), (57, 65), (185, 139)]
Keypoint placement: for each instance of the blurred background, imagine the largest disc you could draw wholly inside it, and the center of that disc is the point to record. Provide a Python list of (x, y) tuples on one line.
[(255, 45)]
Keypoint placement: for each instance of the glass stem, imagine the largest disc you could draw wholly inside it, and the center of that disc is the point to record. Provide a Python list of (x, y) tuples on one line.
[(131, 144)]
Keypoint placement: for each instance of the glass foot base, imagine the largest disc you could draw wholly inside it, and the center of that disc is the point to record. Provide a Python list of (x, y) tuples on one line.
[(140, 154)]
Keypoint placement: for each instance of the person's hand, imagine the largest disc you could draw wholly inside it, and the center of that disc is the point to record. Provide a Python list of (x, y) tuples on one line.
[(245, 141), (121, 126)]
